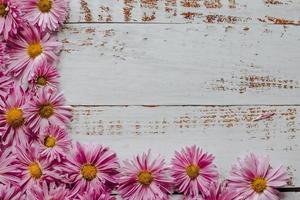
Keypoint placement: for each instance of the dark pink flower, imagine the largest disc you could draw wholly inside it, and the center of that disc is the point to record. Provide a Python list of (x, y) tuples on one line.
[(193, 171), (10, 18), (6, 83), (46, 108), (54, 143), (144, 179), (51, 192), (9, 173), (11, 192), (253, 178), (44, 75), (91, 167), (46, 14), (34, 171), (12, 118), (29, 50)]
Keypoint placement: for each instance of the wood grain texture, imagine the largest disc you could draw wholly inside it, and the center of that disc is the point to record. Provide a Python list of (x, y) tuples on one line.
[(225, 131), (184, 11), (182, 64)]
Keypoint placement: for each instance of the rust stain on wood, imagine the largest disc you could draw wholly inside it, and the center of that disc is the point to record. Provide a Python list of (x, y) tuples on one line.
[(201, 118), (149, 3), (127, 10), (190, 3), (212, 4), (224, 18), (147, 18), (190, 15), (105, 14), (244, 83), (170, 7), (282, 21), (273, 2), (86, 11), (254, 81)]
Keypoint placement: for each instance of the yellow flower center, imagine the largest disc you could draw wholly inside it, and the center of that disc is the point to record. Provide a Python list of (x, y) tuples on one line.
[(34, 50), (44, 5), (14, 117), (259, 184), (192, 171), (89, 172), (35, 170), (49, 141), (41, 80), (3, 10), (46, 111), (145, 178)]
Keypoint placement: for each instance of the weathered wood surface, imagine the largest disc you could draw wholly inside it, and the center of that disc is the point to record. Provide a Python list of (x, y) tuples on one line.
[(225, 131), (182, 64), (238, 54), (182, 11)]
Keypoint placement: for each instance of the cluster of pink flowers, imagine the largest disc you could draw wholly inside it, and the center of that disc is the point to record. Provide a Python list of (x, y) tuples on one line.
[(38, 160)]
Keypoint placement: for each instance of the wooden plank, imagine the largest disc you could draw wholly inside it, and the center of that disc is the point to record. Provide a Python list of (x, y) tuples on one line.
[(161, 64), (183, 11), (225, 131)]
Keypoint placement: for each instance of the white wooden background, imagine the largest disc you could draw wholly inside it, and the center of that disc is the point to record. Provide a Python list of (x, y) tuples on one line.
[(162, 74)]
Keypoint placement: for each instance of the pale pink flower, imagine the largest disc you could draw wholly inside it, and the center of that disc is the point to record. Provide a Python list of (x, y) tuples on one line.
[(219, 192), (30, 49), (253, 178), (9, 173), (11, 192), (52, 192), (47, 108), (91, 167), (193, 171), (94, 194), (12, 118), (6, 83), (10, 18), (46, 14), (34, 171), (144, 179), (54, 143), (44, 75)]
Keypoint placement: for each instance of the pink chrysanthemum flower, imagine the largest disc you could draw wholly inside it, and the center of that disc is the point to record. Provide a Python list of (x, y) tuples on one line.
[(6, 83), (95, 195), (54, 143), (253, 178), (48, 108), (144, 179), (34, 171), (11, 192), (47, 14), (92, 167), (30, 49), (8, 170), (12, 117), (193, 171), (219, 192), (51, 192), (44, 75), (10, 18)]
